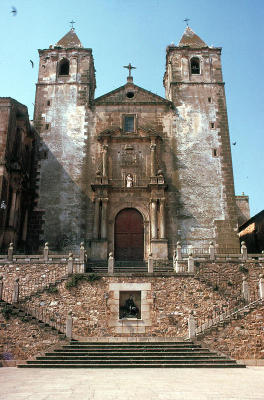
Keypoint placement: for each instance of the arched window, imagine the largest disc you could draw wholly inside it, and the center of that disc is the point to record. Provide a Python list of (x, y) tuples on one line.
[(64, 67), (195, 65)]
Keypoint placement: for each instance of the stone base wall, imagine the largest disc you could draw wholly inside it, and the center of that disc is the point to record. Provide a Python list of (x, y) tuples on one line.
[(240, 339), (24, 340), (167, 302)]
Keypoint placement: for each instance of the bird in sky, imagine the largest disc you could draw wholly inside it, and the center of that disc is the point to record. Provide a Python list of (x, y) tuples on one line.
[(32, 64), (14, 11), (234, 143)]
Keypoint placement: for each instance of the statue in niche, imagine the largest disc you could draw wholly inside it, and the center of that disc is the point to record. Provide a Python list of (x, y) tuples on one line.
[(129, 180), (129, 310), (160, 176)]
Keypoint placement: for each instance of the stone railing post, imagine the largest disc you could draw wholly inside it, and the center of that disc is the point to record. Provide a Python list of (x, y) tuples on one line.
[(191, 325), (1, 288), (261, 287), (245, 290), (69, 325), (178, 251), (177, 267), (70, 264), (111, 263), (15, 296), (46, 252), (191, 268), (10, 252), (82, 252), (243, 251), (150, 264), (82, 258), (211, 251)]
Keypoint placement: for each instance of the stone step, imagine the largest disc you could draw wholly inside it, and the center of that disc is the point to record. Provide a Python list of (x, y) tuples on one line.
[(122, 365), (130, 355)]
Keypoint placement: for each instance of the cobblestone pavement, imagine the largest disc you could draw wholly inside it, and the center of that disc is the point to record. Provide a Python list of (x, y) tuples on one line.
[(132, 384)]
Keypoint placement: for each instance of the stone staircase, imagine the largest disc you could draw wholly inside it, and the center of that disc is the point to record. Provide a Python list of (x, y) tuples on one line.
[(132, 355), (48, 321), (124, 267), (225, 318)]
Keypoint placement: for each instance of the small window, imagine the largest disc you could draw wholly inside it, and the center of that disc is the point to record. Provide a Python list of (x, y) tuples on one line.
[(64, 67), (48, 103), (46, 126), (129, 123), (209, 99), (215, 153), (212, 124), (195, 65)]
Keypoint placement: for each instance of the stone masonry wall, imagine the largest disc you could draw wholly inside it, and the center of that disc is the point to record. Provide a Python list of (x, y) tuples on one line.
[(23, 340), (170, 300), (240, 339)]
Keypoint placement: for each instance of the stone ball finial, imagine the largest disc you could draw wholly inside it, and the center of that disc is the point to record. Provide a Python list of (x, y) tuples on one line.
[(244, 278), (82, 244), (243, 243), (70, 255), (160, 172), (98, 172), (178, 243), (211, 243), (260, 276), (110, 254), (46, 245), (11, 245)]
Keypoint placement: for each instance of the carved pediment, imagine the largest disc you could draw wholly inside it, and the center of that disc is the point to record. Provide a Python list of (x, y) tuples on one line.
[(131, 94)]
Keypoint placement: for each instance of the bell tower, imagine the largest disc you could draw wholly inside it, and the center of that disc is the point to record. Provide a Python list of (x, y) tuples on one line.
[(64, 95), (193, 82)]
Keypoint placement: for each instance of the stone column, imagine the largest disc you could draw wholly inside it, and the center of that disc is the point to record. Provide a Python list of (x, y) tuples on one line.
[(111, 264), (153, 216), (82, 252), (104, 219), (244, 251), (179, 254), (69, 325), (96, 219), (70, 264), (12, 209), (191, 269), (245, 290), (15, 296), (261, 287), (211, 251), (162, 218), (10, 252), (46, 252), (105, 160), (150, 264), (1, 288), (191, 325), (153, 159)]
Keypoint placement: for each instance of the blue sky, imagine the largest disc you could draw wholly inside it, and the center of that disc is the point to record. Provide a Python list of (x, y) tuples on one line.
[(138, 31)]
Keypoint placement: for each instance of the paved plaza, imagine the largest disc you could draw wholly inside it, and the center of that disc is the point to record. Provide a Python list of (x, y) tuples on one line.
[(132, 384)]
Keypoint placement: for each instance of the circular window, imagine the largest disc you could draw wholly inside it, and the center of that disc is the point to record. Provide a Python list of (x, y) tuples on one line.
[(130, 95)]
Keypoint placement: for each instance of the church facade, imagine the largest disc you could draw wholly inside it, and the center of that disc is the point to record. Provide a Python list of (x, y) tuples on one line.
[(131, 172)]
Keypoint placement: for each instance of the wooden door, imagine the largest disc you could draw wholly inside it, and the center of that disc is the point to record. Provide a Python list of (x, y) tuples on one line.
[(129, 235)]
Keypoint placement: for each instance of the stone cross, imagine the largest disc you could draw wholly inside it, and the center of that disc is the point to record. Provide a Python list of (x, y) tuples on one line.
[(129, 67), (72, 22)]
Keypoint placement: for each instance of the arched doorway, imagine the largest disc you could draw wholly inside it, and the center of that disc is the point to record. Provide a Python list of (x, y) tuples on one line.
[(129, 235)]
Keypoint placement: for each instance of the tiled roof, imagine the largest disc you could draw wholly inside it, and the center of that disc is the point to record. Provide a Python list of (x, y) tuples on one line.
[(69, 41), (189, 38)]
